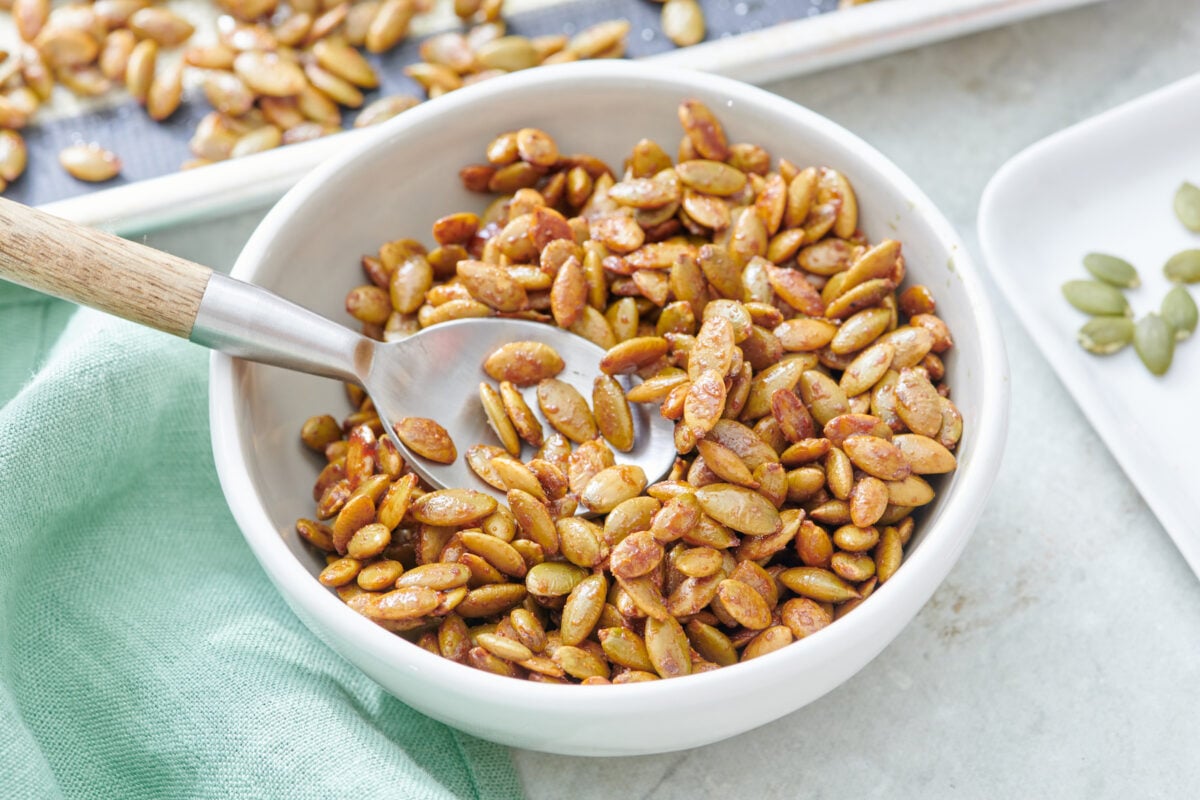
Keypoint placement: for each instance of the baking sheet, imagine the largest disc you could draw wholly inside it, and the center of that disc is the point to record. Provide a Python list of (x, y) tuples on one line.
[(1107, 185), (149, 149), (754, 40)]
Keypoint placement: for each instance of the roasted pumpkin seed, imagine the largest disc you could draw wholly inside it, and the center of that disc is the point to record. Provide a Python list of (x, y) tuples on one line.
[(268, 74), (614, 418), (668, 647), (582, 609), (610, 487), (770, 640), (452, 507), (13, 155), (566, 410), (817, 584), (427, 439), (523, 363), (741, 509), (683, 22), (90, 162)]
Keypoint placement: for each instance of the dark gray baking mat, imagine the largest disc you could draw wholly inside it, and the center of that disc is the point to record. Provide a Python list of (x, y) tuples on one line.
[(149, 149)]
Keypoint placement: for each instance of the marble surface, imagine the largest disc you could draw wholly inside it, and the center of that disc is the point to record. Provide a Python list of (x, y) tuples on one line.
[(1059, 657)]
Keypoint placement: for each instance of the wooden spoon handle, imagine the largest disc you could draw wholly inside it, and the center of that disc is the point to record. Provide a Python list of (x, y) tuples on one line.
[(100, 270)]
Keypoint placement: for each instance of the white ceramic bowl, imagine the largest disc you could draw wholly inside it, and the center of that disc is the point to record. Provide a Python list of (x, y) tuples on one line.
[(396, 183)]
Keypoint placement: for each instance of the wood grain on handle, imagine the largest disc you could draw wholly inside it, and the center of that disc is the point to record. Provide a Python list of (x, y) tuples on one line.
[(100, 270)]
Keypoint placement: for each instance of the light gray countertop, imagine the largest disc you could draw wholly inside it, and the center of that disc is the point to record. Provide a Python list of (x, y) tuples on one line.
[(1060, 656)]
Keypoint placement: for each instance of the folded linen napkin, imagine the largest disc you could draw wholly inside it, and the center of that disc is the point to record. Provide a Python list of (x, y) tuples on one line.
[(143, 653)]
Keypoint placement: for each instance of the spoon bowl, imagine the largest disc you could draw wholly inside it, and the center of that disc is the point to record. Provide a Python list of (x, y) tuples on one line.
[(436, 374)]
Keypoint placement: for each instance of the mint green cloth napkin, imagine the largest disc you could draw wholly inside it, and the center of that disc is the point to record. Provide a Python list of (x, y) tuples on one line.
[(143, 653)]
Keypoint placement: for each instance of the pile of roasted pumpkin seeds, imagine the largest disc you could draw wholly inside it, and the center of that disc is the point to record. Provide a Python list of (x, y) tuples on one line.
[(1155, 335), (808, 394)]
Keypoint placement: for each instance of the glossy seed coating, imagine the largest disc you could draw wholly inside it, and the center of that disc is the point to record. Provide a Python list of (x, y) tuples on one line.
[(731, 294)]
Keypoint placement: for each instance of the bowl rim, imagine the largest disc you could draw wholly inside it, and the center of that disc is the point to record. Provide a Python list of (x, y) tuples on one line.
[(942, 542)]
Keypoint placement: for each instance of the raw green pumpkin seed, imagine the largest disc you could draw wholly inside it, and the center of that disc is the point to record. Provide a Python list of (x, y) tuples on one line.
[(1187, 206), (1093, 297), (1112, 270), (1105, 335), (1179, 311), (1155, 343), (1183, 267)]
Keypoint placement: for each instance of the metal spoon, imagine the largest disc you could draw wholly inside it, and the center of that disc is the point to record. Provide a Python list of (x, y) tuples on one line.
[(435, 373)]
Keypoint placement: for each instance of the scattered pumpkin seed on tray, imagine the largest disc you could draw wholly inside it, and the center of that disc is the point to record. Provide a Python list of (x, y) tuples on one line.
[(1112, 327), (1183, 267), (1155, 335), (1179, 311), (1112, 270), (1187, 206), (1096, 298)]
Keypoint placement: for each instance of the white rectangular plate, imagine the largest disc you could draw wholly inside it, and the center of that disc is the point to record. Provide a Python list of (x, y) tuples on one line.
[(792, 48), (1108, 185)]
